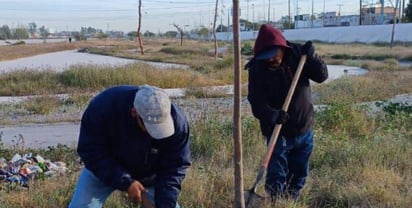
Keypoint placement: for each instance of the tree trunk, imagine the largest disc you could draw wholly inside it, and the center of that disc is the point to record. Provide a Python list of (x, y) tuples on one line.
[(181, 32), (139, 34), (181, 38), (214, 28), (239, 201)]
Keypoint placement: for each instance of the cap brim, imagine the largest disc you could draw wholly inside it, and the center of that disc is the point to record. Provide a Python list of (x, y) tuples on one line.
[(267, 54), (160, 130)]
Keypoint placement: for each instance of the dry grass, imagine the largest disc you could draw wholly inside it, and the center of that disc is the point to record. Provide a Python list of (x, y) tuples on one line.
[(192, 52), (362, 171), (369, 169), (375, 85), (10, 52), (363, 50), (26, 50)]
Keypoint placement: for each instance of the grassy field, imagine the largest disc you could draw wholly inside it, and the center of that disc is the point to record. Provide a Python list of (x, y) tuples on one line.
[(361, 158)]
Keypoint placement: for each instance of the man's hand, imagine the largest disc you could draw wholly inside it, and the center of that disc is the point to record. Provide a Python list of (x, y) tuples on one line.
[(283, 116), (135, 191), (308, 49)]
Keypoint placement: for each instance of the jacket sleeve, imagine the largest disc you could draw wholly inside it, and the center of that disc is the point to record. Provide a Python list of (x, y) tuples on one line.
[(315, 69), (173, 162), (257, 97), (94, 152)]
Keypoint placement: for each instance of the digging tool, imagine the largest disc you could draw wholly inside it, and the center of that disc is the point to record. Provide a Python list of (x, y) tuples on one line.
[(251, 193)]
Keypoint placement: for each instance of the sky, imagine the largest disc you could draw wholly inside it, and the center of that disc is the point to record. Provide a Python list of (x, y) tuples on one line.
[(157, 15)]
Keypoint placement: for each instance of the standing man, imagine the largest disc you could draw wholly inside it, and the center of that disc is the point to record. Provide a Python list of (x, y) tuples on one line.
[(271, 72), (132, 139)]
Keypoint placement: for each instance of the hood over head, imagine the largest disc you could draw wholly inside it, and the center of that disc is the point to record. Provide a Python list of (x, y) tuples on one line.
[(269, 39)]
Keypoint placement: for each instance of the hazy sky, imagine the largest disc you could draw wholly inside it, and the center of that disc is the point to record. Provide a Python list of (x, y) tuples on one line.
[(157, 15)]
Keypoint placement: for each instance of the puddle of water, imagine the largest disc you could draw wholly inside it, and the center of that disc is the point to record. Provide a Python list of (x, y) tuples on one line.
[(405, 63), (337, 71)]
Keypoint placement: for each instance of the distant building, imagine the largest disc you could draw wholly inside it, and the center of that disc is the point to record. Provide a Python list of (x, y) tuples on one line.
[(303, 21), (377, 15), (242, 26), (330, 19), (369, 16), (349, 20)]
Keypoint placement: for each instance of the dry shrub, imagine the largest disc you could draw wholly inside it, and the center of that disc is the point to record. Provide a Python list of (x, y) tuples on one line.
[(371, 64), (377, 187), (78, 99), (41, 104)]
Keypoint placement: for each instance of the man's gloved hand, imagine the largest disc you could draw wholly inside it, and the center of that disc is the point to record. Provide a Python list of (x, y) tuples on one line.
[(283, 116), (308, 49)]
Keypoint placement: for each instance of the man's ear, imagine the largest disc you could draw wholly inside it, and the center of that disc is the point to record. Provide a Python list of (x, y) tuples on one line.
[(133, 112)]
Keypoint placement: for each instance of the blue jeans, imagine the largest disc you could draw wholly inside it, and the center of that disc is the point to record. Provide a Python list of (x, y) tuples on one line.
[(289, 165), (90, 192)]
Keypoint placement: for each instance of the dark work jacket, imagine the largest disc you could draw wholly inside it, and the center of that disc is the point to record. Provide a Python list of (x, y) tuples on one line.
[(268, 88), (117, 151)]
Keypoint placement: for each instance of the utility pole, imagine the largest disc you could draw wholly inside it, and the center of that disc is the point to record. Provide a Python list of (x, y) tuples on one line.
[(339, 5), (297, 14), (382, 11), (221, 18), (324, 13), (403, 9), (400, 11), (290, 18), (269, 13), (297, 9), (228, 18), (360, 12), (311, 16), (209, 22), (247, 10), (253, 17), (264, 10), (200, 18)]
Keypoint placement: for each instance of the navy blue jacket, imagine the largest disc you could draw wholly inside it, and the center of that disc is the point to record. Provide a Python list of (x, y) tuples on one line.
[(268, 88), (117, 151)]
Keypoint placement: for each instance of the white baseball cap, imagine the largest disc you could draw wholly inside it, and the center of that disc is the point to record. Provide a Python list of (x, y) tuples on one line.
[(153, 106)]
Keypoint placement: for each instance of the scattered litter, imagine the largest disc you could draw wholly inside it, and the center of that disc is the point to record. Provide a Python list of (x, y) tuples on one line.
[(19, 170)]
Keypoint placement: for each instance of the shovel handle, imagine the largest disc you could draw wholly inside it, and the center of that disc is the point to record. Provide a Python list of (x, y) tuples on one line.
[(285, 107)]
